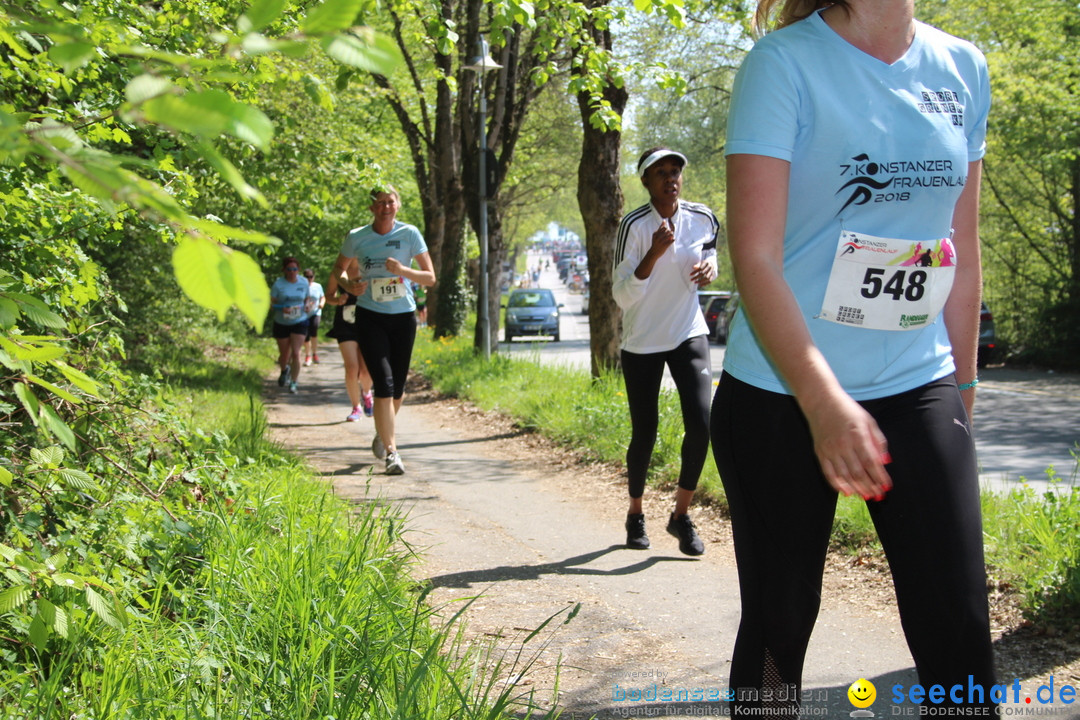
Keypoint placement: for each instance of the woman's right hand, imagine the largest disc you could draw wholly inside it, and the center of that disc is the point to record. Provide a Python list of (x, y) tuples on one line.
[(355, 287), (850, 447)]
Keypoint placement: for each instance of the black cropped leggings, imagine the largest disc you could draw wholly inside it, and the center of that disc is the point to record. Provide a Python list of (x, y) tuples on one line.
[(386, 342), (690, 369), (930, 526)]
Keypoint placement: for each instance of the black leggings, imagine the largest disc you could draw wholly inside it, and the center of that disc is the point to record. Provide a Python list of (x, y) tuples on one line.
[(690, 369), (930, 526), (386, 342)]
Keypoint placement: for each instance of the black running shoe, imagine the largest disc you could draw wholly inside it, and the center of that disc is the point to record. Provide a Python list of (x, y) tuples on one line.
[(683, 528), (636, 539)]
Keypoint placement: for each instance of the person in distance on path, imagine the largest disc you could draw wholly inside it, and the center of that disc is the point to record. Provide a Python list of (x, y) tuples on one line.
[(316, 299), (288, 297), (358, 382), (664, 252), (854, 141)]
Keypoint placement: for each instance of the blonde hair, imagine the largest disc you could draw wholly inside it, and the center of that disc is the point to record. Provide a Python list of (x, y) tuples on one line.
[(791, 11)]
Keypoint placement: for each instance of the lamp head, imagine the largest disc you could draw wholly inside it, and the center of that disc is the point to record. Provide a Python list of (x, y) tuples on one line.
[(481, 61)]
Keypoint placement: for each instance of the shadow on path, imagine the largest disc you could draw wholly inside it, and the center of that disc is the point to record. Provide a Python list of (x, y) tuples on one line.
[(569, 566)]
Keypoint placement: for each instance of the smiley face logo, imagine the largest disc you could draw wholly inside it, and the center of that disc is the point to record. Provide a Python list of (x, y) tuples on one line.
[(862, 693)]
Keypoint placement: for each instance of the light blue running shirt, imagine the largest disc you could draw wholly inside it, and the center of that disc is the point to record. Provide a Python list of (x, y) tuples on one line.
[(290, 298), (403, 242), (876, 149), (315, 293)]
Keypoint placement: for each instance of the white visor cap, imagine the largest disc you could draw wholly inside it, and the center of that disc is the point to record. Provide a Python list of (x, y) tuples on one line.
[(660, 154)]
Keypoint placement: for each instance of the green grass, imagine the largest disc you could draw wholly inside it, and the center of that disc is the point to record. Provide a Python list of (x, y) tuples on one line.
[(1032, 540), (248, 590)]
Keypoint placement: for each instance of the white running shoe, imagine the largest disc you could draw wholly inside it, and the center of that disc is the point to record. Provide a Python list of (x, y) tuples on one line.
[(394, 466), (377, 448)]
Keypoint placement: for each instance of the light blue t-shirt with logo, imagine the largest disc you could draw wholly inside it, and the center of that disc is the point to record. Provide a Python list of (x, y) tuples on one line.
[(403, 243), (876, 149), (289, 300)]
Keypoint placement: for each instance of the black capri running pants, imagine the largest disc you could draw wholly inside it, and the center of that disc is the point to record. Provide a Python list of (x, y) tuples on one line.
[(313, 326), (782, 508), (386, 342), (690, 369)]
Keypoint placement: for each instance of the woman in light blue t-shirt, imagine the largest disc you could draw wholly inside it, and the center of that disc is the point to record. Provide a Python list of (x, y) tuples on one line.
[(288, 298), (385, 307), (854, 152)]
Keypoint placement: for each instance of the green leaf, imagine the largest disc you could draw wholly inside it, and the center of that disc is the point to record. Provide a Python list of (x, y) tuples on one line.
[(218, 231), (13, 44), (374, 52), (59, 429), (197, 264), (14, 598), (39, 633), (47, 611), (60, 622), (316, 90), (55, 390), (180, 113), (78, 378), (229, 172), (332, 16), (77, 479), (218, 277), (50, 457), (29, 401), (251, 295), (9, 312), (68, 580), (262, 13), (147, 86), (101, 607), (72, 55), (37, 353), (37, 311), (209, 114), (6, 477)]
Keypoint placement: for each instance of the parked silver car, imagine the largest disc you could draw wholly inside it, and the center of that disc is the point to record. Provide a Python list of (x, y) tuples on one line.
[(532, 312)]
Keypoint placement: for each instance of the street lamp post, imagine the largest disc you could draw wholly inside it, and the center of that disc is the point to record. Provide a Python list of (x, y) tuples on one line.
[(480, 64)]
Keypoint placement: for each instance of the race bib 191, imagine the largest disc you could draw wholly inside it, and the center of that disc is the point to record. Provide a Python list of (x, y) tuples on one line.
[(293, 312), (387, 289), (888, 284)]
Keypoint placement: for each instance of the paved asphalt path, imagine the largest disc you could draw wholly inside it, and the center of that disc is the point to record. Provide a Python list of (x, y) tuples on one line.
[(528, 534), (1025, 421)]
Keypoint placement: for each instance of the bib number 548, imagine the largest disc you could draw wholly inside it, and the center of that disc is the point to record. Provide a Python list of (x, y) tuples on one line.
[(903, 284)]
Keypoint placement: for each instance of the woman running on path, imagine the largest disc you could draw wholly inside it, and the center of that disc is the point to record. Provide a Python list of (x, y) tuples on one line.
[(665, 251), (856, 135), (385, 308)]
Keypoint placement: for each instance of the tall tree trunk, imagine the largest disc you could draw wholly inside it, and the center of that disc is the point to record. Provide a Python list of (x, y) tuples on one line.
[(600, 199)]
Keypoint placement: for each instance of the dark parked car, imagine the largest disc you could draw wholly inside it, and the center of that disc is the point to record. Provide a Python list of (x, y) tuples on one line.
[(723, 323), (532, 312), (712, 306), (988, 344)]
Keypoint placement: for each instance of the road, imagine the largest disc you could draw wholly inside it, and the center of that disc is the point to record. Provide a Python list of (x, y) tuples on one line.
[(1026, 421)]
